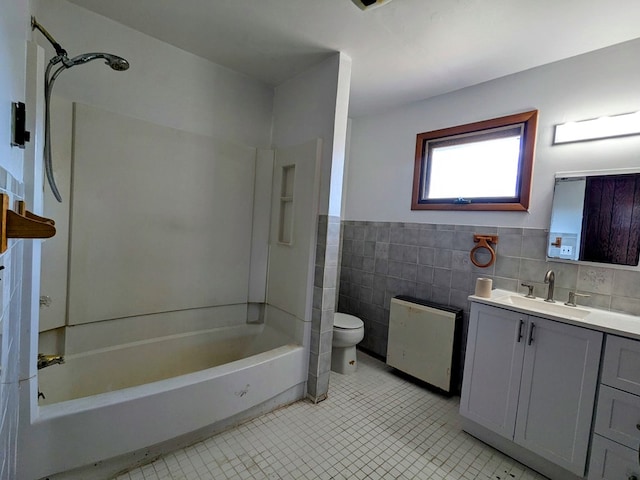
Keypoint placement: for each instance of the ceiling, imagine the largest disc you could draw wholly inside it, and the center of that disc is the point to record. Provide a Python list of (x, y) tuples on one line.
[(403, 51)]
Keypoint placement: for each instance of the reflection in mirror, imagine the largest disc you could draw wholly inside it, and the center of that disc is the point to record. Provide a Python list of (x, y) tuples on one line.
[(596, 218), (566, 218)]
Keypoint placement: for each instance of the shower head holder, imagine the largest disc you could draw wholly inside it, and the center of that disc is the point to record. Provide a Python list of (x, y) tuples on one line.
[(60, 52)]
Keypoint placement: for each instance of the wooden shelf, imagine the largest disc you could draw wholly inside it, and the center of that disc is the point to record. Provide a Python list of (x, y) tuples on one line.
[(22, 224)]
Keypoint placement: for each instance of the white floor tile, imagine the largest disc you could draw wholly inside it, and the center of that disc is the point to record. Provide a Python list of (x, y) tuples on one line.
[(374, 425)]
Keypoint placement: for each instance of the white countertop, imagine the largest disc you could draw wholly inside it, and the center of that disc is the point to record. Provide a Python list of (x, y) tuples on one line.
[(602, 320)]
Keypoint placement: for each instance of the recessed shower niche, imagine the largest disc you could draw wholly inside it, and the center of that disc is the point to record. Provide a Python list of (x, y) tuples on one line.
[(285, 223)]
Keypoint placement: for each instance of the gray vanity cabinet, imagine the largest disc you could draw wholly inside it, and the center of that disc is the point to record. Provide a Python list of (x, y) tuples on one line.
[(615, 451), (532, 381), (492, 369)]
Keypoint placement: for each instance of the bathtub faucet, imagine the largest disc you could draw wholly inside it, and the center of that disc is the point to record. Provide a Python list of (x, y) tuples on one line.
[(45, 361)]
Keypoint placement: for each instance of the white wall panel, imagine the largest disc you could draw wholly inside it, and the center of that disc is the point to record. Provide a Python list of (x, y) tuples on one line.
[(161, 218), (261, 221), (55, 260), (290, 263)]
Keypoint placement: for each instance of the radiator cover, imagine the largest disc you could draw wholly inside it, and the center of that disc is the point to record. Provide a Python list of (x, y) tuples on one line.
[(424, 341)]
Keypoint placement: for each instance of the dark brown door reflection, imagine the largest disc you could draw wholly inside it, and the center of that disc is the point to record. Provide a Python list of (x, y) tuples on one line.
[(611, 221)]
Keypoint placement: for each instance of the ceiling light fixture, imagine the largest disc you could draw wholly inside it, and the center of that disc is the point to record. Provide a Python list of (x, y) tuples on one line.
[(369, 4), (598, 128)]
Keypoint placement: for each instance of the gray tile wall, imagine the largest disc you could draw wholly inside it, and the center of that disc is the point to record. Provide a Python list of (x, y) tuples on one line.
[(324, 302), (381, 260), (10, 308)]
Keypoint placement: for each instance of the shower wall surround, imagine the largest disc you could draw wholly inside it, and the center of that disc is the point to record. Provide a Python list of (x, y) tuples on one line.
[(431, 261)]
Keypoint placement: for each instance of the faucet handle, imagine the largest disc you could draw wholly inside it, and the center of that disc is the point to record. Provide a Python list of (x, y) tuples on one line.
[(572, 298), (530, 287)]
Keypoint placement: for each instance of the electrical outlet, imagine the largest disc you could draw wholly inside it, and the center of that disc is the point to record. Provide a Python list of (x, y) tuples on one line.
[(566, 250)]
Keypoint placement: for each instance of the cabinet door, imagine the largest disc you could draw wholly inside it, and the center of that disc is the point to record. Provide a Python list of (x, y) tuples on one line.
[(618, 416), (621, 366), (557, 392), (612, 461), (492, 368)]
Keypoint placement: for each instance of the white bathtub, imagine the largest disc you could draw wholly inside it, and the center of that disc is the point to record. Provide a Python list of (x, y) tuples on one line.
[(143, 362), (118, 401)]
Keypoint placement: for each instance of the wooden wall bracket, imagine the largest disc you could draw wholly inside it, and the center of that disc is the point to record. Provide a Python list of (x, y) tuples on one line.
[(483, 241), (22, 224), (487, 238)]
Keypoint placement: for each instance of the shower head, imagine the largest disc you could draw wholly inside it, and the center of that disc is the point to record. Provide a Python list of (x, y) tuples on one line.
[(59, 63), (117, 63)]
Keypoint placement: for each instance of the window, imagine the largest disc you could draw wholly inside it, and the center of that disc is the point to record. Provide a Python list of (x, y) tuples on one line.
[(479, 166)]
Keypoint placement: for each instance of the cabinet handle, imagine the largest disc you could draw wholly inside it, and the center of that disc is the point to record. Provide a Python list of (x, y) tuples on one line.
[(531, 328), (519, 336)]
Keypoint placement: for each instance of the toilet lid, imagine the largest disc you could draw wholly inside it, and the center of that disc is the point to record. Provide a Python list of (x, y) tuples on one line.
[(343, 320)]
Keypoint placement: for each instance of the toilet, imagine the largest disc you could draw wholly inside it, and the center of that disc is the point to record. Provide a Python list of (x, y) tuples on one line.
[(348, 331)]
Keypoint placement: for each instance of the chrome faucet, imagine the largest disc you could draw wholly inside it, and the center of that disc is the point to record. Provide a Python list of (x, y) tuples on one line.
[(45, 361), (550, 278)]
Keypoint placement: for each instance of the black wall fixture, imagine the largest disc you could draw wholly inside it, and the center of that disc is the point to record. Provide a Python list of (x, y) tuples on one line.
[(19, 134)]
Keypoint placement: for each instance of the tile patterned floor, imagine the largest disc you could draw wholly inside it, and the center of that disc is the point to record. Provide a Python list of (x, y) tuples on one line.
[(374, 425)]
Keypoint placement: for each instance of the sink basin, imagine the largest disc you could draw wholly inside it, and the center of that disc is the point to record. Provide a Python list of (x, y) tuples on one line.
[(540, 305)]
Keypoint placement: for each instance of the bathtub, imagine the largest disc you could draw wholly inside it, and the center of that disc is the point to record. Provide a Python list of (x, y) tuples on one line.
[(129, 400)]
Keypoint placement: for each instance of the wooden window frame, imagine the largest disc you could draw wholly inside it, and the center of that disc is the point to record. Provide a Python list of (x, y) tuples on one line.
[(529, 122)]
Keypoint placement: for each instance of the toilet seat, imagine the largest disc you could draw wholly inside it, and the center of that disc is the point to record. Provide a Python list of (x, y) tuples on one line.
[(346, 322)]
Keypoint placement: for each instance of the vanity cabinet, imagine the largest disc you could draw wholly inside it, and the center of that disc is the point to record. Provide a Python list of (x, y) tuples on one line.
[(615, 450), (532, 381)]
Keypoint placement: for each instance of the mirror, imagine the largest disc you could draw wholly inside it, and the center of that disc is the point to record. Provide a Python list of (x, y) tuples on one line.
[(595, 217)]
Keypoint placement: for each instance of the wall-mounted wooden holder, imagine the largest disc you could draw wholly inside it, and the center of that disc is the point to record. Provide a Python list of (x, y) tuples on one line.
[(22, 224), (483, 241)]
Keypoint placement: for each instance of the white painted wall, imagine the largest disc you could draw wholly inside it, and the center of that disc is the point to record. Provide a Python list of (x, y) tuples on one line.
[(13, 34), (164, 85), (311, 105), (604, 82)]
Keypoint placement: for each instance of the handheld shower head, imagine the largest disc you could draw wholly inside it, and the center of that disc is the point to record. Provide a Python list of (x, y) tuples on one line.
[(115, 62), (57, 65)]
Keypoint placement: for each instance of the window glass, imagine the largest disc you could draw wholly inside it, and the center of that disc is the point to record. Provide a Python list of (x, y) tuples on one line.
[(481, 166)]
